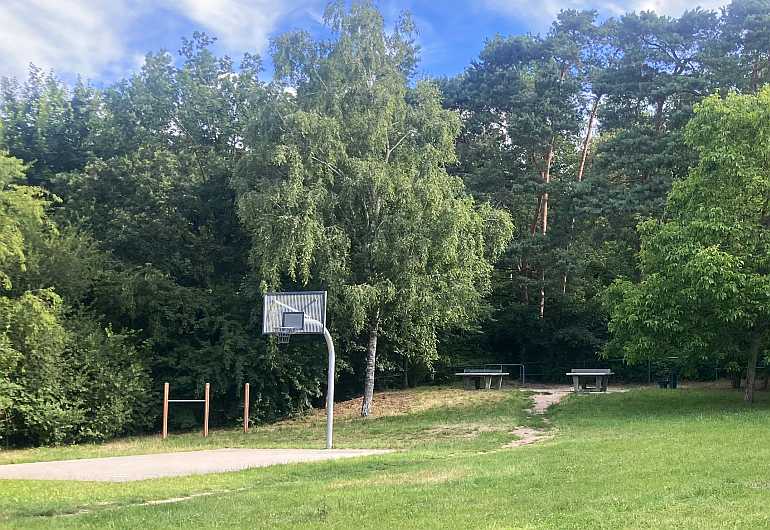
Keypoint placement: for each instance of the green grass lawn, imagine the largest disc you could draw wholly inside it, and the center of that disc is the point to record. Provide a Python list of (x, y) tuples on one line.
[(643, 459)]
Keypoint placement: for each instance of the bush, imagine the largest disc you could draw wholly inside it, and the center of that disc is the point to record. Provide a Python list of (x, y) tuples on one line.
[(62, 378)]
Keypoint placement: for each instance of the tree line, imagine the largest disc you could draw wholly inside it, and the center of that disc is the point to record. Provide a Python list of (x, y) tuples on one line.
[(480, 217)]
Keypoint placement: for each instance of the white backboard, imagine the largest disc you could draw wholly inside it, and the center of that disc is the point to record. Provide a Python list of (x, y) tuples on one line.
[(304, 312)]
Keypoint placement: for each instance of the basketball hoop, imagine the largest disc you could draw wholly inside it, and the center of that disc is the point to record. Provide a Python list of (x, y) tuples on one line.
[(283, 334), (302, 313)]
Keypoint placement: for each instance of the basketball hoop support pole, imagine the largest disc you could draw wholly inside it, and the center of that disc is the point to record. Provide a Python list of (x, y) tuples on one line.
[(329, 389)]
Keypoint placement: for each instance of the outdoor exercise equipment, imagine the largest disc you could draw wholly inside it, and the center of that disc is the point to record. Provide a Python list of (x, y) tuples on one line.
[(302, 313), (205, 401)]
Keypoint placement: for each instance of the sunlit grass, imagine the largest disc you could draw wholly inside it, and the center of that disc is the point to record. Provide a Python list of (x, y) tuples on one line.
[(643, 459), (401, 419)]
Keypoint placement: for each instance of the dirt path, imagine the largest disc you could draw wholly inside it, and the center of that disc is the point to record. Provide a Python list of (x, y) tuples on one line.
[(544, 397)]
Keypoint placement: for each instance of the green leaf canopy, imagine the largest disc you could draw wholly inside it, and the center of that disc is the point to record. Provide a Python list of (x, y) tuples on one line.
[(705, 290), (346, 185)]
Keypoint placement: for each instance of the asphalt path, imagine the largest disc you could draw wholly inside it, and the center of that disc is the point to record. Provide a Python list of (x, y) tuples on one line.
[(142, 467)]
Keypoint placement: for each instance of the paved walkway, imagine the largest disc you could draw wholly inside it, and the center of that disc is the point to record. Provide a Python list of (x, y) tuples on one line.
[(141, 467)]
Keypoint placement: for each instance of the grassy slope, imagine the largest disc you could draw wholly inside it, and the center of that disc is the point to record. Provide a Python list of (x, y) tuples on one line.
[(645, 459)]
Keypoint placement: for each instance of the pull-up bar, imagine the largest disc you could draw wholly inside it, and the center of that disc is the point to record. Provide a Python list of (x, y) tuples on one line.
[(205, 402)]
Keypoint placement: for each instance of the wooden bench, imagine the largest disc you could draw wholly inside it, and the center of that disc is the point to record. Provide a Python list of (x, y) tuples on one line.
[(476, 377), (580, 377)]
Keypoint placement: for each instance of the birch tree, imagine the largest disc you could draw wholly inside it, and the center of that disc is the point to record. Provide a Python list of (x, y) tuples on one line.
[(345, 187)]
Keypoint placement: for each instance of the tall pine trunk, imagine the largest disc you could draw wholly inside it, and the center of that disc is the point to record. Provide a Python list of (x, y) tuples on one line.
[(542, 211), (544, 219), (581, 169), (587, 139), (658, 120), (751, 367), (371, 359), (547, 180)]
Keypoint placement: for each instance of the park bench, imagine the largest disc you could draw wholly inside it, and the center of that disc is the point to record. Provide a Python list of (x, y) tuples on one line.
[(581, 376), (476, 377)]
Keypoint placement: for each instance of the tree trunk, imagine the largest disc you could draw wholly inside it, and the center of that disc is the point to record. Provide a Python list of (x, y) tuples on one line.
[(545, 212), (546, 180), (371, 357), (543, 200), (751, 367), (581, 170), (659, 114), (587, 140), (542, 295)]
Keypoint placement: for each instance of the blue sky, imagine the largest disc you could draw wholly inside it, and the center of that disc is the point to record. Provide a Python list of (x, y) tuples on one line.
[(104, 40)]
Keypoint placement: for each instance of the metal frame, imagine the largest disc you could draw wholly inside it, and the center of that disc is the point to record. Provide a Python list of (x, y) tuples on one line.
[(522, 369)]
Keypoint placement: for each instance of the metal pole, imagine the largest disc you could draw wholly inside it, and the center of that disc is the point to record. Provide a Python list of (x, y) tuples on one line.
[(206, 411), (246, 408), (329, 390)]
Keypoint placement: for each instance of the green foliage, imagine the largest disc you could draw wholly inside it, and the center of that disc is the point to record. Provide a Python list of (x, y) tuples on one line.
[(48, 125), (32, 343), (140, 221), (63, 377), (705, 287), (351, 191)]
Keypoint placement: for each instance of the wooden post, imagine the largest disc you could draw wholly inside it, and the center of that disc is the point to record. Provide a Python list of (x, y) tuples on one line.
[(246, 408), (206, 411), (165, 410)]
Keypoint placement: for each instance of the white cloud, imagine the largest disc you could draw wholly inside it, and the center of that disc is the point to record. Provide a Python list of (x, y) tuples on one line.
[(540, 14), (674, 7), (238, 24), (71, 35), (89, 37)]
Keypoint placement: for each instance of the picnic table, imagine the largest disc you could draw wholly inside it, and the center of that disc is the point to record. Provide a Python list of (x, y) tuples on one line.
[(476, 377), (581, 376)]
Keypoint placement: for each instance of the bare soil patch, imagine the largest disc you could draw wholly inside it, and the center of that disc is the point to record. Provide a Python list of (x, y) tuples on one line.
[(399, 402), (527, 436), (543, 398)]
